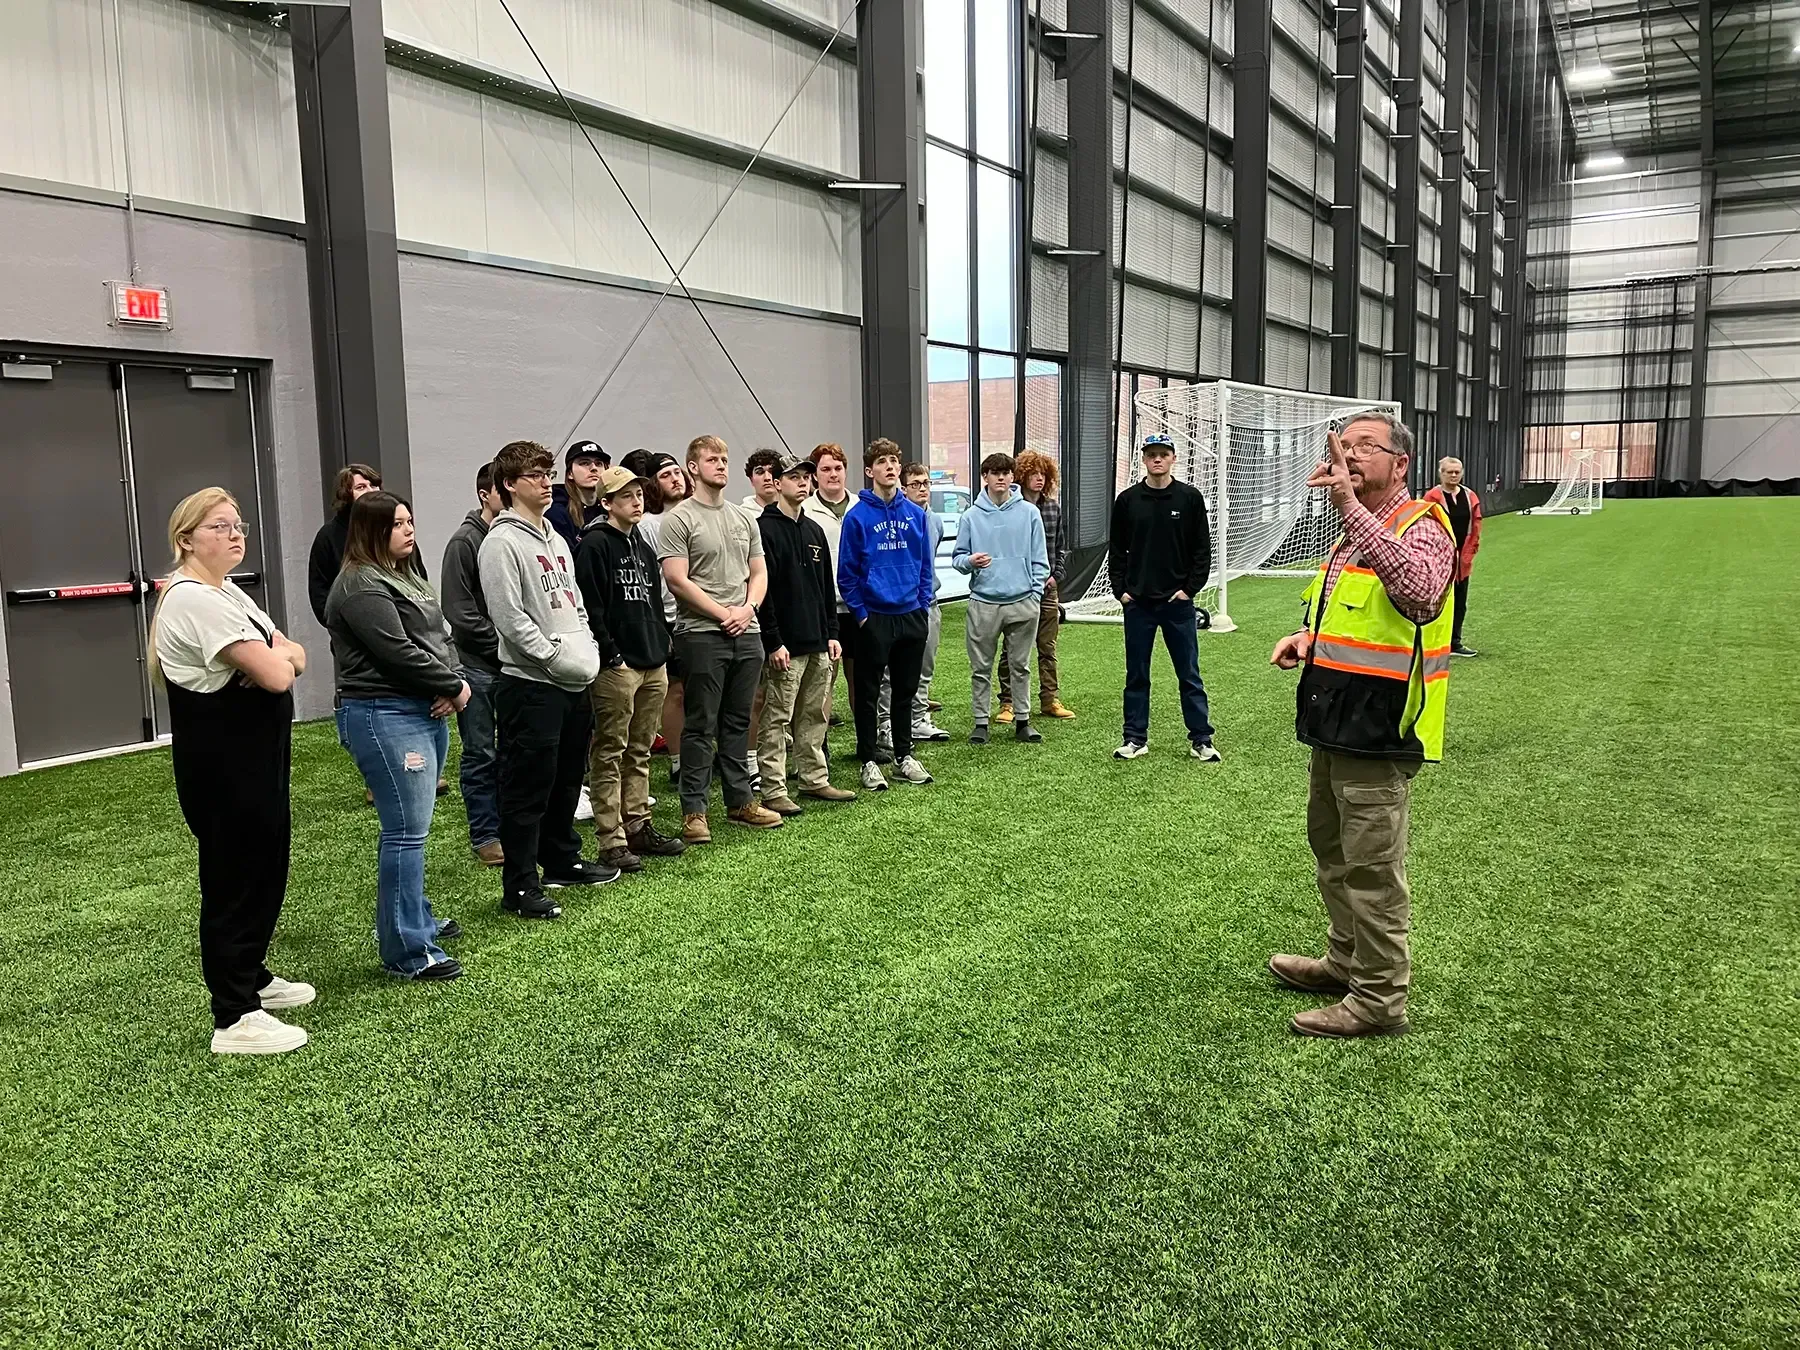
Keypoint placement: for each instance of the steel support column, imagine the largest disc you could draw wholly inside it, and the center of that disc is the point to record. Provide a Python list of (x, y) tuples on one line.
[(1346, 208), (1709, 188), (893, 238), (1448, 422), (1408, 101), (352, 263), (1483, 410), (1091, 446), (1252, 31)]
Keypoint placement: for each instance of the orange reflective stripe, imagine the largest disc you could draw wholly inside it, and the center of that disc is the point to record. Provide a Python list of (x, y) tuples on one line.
[(1374, 646)]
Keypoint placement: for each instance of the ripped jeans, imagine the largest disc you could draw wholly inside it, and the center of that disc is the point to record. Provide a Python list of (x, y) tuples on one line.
[(400, 748)]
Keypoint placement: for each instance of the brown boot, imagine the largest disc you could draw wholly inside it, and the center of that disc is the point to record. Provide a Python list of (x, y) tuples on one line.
[(828, 793), (1308, 974), (1053, 707), (1006, 712), (694, 829), (491, 855), (757, 817), (781, 806), (1340, 1024)]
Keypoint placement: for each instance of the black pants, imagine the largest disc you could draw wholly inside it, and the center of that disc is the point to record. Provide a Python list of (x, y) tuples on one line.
[(722, 675), (1462, 605), (544, 733), (232, 781), (891, 645)]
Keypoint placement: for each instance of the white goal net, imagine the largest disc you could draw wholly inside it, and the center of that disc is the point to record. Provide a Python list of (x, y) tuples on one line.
[(1265, 520), (1579, 491)]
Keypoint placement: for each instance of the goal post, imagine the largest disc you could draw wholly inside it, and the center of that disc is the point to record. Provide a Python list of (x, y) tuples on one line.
[(1249, 449), (1580, 491)]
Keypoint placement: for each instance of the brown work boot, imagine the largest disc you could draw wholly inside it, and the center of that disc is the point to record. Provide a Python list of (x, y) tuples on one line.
[(828, 793), (694, 829), (1005, 714), (781, 806), (622, 858), (1308, 974), (1055, 708), (755, 816), (648, 842), (491, 855), (1338, 1023)]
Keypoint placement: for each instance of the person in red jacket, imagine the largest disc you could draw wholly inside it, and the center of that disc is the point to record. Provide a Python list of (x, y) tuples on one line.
[(1464, 509)]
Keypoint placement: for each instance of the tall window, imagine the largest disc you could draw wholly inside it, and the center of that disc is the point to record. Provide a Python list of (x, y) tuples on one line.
[(974, 365)]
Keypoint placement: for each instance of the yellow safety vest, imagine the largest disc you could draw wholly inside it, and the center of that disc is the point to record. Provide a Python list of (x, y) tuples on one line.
[(1375, 682)]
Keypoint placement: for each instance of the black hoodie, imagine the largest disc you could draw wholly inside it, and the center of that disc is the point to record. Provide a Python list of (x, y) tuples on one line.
[(799, 610), (621, 587)]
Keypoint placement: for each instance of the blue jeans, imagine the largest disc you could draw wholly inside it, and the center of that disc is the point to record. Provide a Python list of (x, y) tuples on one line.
[(400, 748), (1175, 620), (480, 771)]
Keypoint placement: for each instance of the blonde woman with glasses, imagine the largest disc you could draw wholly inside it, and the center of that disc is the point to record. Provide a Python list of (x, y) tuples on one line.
[(230, 675)]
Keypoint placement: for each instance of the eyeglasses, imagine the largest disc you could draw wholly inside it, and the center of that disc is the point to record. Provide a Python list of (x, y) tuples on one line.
[(538, 475), (228, 528), (1360, 448)]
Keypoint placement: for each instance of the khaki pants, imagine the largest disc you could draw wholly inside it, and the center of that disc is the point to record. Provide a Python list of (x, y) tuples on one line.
[(1356, 812), (628, 708), (1049, 622), (794, 698)]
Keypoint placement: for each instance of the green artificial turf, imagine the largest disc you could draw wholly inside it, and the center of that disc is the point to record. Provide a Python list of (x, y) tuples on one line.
[(994, 1062)]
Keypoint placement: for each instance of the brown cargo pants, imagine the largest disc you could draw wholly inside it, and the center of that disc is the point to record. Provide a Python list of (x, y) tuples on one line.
[(1356, 816)]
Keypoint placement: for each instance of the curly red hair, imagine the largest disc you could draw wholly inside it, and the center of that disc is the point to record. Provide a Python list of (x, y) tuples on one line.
[(1035, 461)]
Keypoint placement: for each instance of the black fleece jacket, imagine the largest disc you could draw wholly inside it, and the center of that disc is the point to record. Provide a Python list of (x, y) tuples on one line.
[(621, 587), (1161, 542), (799, 611)]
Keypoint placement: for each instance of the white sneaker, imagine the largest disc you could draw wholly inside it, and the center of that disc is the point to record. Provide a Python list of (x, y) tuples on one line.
[(256, 1033), (280, 993), (912, 771), (674, 767), (650, 801), (1131, 750), (1203, 751), (584, 809), (873, 779), (929, 731)]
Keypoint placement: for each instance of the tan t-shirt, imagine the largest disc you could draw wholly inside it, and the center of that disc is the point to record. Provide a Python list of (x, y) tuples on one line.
[(718, 543), (195, 622)]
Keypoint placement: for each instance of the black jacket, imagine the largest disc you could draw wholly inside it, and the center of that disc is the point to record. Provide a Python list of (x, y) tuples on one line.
[(799, 610), (621, 587), (386, 643), (465, 607), (327, 558), (558, 515), (1161, 542)]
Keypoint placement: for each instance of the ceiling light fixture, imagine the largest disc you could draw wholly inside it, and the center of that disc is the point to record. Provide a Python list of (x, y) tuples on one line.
[(1606, 159), (1590, 75)]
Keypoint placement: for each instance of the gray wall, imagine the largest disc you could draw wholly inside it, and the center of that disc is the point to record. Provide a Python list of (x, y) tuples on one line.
[(494, 353)]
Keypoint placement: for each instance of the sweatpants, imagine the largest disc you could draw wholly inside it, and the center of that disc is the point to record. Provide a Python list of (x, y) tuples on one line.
[(989, 625), (722, 675), (892, 645), (544, 733), (921, 707)]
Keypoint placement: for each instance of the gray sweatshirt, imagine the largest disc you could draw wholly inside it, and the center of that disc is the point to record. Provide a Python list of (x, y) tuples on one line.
[(535, 606)]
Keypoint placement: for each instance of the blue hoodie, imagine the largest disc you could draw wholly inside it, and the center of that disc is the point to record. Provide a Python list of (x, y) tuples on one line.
[(884, 557), (1013, 535)]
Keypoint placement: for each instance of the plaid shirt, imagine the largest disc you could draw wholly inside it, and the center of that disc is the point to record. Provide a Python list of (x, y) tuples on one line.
[(1056, 539), (1415, 569)]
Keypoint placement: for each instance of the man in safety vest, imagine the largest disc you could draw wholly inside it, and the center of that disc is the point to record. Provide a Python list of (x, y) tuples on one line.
[(1376, 657)]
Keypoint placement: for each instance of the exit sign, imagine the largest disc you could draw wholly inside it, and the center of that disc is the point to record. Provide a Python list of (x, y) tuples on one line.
[(139, 306)]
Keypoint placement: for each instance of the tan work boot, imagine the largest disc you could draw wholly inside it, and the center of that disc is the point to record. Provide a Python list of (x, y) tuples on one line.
[(1338, 1023), (828, 793), (782, 805), (757, 817), (1005, 713), (694, 829), (1055, 708), (491, 855), (1308, 974)]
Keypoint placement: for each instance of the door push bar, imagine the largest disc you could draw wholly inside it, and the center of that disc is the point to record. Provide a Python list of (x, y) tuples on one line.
[(137, 590)]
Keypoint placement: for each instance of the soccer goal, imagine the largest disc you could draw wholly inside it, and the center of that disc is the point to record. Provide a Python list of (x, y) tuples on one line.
[(1580, 490), (1265, 520)]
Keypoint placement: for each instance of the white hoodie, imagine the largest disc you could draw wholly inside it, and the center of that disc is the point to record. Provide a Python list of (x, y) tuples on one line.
[(528, 582)]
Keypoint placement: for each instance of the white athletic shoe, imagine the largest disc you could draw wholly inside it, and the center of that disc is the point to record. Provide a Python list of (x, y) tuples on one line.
[(584, 809), (650, 801), (1203, 751), (929, 731), (280, 993), (1131, 750), (912, 771), (873, 779), (256, 1033)]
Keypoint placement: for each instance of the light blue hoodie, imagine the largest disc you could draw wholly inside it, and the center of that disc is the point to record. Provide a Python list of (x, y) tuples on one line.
[(1013, 535)]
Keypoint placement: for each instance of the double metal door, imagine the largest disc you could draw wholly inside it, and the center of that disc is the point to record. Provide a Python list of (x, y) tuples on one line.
[(95, 456)]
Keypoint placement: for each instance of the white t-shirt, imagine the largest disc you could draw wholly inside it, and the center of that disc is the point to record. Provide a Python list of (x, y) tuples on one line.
[(195, 622)]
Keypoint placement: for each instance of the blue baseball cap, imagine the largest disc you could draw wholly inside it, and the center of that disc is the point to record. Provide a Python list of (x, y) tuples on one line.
[(1160, 441)]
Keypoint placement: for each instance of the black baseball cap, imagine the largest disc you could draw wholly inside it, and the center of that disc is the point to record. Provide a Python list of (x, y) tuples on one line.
[(586, 450)]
